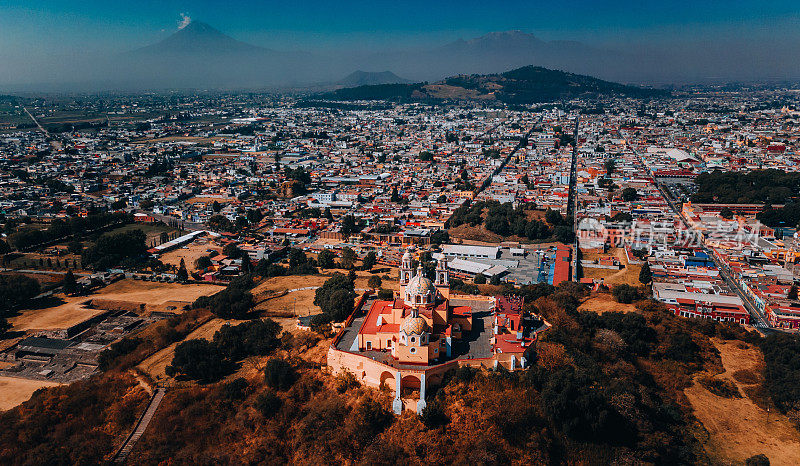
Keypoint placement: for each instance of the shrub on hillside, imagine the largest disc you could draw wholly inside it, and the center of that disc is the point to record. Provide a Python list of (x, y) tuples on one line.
[(720, 387), (198, 360), (279, 374), (625, 294), (268, 403)]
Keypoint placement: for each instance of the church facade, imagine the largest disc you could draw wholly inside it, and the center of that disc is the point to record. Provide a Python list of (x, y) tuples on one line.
[(408, 343)]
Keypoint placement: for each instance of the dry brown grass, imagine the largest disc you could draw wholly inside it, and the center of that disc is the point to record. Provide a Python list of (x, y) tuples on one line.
[(72, 311), (65, 315), (14, 391), (189, 254), (629, 275), (272, 299), (738, 428), (604, 302), (476, 233), (155, 365)]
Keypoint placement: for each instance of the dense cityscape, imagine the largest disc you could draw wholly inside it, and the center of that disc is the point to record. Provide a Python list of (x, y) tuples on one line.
[(528, 266)]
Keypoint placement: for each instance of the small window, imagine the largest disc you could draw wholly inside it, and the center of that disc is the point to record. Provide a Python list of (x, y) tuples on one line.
[(413, 339), (413, 350), (436, 351), (369, 345)]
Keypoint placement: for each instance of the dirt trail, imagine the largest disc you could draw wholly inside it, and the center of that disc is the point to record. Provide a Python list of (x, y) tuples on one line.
[(737, 427)]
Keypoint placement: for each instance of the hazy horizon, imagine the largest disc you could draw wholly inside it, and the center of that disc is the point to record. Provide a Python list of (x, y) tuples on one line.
[(58, 43)]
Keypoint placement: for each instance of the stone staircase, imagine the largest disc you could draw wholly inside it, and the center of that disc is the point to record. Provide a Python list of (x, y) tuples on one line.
[(141, 426)]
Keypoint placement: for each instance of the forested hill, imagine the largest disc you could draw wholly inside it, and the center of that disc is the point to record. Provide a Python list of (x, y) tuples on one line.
[(526, 85)]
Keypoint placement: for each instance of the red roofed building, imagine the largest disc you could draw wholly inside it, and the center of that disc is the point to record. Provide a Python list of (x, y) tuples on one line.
[(408, 343)]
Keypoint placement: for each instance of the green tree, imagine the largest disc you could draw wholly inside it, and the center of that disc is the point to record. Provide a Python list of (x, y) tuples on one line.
[(625, 294), (629, 195), (219, 223), (336, 297), (374, 282), (348, 258), (564, 234), (433, 415), (726, 213), (198, 360), (278, 374), (370, 260), (232, 251), (553, 217), (182, 274), (610, 166), (70, 284), (252, 338), (268, 403), (350, 225), (75, 247), (325, 259), (479, 279), (792, 294), (202, 263), (645, 275)]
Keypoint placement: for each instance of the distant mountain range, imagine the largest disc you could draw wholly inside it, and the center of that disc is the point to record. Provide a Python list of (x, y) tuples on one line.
[(368, 78), (525, 85), (199, 56)]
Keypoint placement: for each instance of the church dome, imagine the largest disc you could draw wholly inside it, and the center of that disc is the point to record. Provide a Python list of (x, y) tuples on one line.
[(420, 285), (414, 325)]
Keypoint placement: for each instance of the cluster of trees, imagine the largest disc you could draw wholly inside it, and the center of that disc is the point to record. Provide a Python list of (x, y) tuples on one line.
[(532, 84), (758, 186), (114, 249), (629, 194), (336, 297), (15, 290), (79, 423), (327, 259), (209, 361), (599, 389), (160, 167), (234, 302), (27, 237), (626, 294), (300, 176), (786, 216), (393, 92), (246, 218), (505, 220), (782, 372), (350, 225)]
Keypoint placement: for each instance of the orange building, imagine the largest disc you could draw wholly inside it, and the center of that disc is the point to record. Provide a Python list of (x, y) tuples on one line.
[(408, 343)]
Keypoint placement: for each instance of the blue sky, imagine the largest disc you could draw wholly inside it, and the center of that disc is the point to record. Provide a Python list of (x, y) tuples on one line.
[(55, 26)]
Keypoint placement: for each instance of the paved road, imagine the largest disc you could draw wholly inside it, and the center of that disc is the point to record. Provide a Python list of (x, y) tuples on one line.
[(488, 181), (41, 128), (760, 321), (572, 199)]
